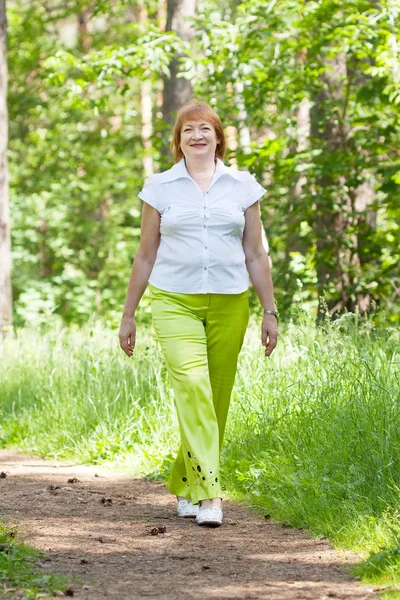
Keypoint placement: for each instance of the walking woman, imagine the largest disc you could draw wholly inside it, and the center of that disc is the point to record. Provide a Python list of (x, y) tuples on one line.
[(201, 238)]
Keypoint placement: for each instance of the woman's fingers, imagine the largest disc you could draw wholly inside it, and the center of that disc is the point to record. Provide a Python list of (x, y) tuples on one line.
[(125, 345), (271, 344), (131, 341), (269, 336), (127, 337)]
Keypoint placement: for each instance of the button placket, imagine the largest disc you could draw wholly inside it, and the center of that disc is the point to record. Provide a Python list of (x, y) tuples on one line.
[(205, 257)]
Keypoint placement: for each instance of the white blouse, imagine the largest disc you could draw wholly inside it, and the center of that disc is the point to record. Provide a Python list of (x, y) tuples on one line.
[(201, 248)]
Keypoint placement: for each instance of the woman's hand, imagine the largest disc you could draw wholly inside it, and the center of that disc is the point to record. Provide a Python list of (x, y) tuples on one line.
[(127, 335), (269, 333)]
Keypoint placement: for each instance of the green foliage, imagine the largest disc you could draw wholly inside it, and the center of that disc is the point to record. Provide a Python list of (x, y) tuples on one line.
[(76, 164), (18, 572), (341, 59), (381, 566), (76, 151)]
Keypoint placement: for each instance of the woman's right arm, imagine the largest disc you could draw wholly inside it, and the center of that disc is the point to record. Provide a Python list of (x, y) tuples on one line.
[(141, 269)]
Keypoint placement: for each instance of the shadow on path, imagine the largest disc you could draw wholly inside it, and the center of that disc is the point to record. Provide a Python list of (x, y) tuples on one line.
[(97, 530)]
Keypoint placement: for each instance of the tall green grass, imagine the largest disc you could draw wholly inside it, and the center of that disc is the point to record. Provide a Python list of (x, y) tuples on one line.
[(74, 394), (316, 438), (313, 435)]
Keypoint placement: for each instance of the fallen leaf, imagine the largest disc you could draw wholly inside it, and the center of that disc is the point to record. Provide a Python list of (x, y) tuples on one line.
[(158, 529), (52, 488), (106, 501)]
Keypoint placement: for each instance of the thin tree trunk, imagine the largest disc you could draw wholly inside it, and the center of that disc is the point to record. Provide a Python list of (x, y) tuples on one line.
[(139, 14), (294, 242), (331, 206), (146, 104), (147, 127), (364, 223), (177, 91), (5, 229), (83, 34), (242, 120)]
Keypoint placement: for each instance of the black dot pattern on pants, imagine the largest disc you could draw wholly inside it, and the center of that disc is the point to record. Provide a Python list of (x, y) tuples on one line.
[(199, 468), (216, 479), (189, 455), (184, 479), (193, 468), (204, 478)]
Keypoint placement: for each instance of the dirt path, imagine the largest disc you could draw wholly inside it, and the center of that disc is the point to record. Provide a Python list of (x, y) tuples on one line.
[(98, 530)]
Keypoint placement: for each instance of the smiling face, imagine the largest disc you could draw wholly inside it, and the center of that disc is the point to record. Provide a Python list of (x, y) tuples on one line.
[(198, 139)]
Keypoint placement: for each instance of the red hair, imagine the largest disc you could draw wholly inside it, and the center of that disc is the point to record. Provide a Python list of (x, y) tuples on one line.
[(195, 111)]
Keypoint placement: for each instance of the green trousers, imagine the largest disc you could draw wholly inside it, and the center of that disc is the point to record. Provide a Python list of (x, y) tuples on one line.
[(200, 336)]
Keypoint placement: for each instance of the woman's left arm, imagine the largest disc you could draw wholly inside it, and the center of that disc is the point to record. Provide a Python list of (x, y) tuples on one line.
[(258, 267)]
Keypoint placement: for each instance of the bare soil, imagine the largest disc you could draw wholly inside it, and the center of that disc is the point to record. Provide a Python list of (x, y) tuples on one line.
[(118, 537)]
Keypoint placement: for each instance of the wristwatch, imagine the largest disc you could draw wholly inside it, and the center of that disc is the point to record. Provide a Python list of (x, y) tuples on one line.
[(271, 312)]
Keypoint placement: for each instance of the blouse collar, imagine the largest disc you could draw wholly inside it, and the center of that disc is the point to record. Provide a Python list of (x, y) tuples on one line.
[(179, 170)]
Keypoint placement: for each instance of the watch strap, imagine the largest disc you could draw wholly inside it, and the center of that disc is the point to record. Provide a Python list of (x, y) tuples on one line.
[(271, 312)]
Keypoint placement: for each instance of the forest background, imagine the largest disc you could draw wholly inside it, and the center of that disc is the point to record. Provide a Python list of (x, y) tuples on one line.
[(308, 93)]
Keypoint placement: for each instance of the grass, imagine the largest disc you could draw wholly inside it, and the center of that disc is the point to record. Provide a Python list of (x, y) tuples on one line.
[(313, 436), (18, 571)]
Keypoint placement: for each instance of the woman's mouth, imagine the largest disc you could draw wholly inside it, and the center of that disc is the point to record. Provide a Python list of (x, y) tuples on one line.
[(198, 145)]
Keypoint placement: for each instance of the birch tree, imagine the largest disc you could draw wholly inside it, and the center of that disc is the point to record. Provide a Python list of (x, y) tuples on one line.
[(5, 236)]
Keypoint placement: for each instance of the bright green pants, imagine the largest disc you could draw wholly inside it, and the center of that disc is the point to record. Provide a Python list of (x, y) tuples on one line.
[(200, 336)]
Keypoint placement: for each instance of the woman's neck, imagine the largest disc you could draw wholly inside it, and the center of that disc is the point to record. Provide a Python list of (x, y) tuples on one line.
[(203, 166)]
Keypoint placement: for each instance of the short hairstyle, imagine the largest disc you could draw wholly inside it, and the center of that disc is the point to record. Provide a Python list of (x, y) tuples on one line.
[(195, 111)]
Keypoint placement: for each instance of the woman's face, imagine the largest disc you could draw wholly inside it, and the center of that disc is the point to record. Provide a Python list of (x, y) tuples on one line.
[(198, 139)]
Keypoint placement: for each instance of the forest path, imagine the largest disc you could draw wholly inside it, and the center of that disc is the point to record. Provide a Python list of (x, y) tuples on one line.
[(98, 531)]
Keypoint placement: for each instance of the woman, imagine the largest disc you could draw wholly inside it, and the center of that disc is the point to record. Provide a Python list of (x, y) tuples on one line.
[(201, 238)]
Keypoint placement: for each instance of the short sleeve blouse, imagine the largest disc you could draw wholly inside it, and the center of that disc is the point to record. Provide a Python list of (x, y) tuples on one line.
[(201, 234)]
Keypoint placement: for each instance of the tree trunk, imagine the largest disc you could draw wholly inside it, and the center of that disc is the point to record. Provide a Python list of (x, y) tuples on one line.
[(5, 231), (84, 40), (177, 91), (332, 204), (364, 224), (242, 120), (146, 104), (294, 242)]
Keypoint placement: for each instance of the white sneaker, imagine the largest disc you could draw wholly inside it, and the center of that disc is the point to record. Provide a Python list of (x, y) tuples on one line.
[(210, 516), (187, 509)]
